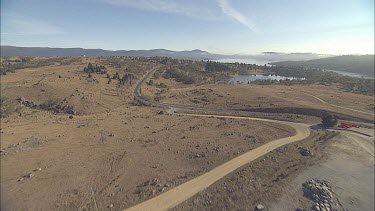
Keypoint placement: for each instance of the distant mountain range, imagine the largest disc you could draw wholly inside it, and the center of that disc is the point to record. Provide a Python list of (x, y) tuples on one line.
[(45, 51), (358, 64), (193, 54)]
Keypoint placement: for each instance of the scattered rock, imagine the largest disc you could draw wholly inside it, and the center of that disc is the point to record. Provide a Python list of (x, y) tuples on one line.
[(305, 152), (320, 192), (49, 106), (260, 207)]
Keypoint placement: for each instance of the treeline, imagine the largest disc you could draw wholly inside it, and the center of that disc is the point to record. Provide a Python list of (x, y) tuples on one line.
[(212, 66), (232, 68)]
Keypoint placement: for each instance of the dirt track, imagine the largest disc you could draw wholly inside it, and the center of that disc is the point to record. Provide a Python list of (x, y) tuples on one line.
[(337, 106), (181, 193)]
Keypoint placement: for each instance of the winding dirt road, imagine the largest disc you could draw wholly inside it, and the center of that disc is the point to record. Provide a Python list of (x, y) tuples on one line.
[(188, 189)]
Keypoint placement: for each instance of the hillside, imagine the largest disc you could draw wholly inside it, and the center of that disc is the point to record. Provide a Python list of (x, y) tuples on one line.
[(193, 54), (362, 65), (44, 51)]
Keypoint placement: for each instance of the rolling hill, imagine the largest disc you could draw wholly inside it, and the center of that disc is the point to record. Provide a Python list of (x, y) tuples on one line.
[(362, 65), (45, 51), (193, 54)]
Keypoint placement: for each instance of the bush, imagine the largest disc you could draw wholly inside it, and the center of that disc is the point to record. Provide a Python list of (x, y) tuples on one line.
[(329, 121)]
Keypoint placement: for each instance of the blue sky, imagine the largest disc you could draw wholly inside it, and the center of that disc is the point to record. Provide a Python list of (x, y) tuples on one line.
[(218, 26)]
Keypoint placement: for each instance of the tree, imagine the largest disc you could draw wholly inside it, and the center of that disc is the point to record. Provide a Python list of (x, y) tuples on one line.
[(329, 120)]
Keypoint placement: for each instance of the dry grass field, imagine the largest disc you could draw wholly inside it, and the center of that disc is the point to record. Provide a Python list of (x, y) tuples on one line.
[(111, 146), (120, 153), (272, 97)]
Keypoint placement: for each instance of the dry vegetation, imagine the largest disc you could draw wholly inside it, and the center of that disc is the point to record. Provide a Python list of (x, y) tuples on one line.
[(127, 153)]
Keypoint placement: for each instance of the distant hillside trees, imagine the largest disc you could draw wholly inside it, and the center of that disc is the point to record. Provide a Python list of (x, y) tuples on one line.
[(360, 64), (350, 84)]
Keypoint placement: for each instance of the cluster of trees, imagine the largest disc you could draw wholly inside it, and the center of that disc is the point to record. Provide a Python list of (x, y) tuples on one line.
[(127, 78), (95, 69), (179, 76), (329, 121)]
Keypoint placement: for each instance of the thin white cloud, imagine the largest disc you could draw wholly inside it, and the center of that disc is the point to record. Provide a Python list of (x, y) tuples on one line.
[(181, 7), (14, 24), (236, 15)]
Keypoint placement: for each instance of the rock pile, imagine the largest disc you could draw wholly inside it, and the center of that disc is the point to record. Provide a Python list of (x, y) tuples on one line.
[(53, 107), (320, 192), (305, 152)]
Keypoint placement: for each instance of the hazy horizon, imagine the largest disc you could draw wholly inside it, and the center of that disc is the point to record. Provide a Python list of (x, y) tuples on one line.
[(217, 26)]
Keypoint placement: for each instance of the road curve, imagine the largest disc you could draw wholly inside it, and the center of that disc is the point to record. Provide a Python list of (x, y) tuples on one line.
[(188, 189)]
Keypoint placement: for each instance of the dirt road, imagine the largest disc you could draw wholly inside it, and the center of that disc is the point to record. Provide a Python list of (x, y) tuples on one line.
[(183, 192), (337, 106), (188, 189)]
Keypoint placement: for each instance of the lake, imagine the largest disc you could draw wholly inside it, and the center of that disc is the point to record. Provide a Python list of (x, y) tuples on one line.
[(245, 79)]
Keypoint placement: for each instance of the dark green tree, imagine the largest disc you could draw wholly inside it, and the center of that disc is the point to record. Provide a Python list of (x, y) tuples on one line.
[(329, 120)]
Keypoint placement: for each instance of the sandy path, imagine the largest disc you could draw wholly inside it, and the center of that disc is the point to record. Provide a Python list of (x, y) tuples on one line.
[(188, 189)]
